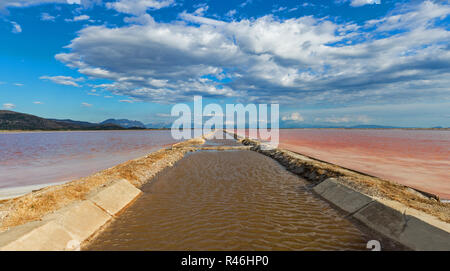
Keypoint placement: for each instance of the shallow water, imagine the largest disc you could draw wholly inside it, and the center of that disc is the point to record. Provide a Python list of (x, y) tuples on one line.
[(29, 159), (229, 200), (416, 158)]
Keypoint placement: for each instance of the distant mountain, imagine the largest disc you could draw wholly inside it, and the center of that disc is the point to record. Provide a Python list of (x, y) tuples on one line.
[(125, 123), (10, 120)]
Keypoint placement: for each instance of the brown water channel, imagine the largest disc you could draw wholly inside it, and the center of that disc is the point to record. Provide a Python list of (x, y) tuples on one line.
[(229, 200)]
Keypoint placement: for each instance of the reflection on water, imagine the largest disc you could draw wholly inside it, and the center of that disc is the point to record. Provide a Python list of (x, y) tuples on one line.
[(417, 158), (49, 157), (235, 200)]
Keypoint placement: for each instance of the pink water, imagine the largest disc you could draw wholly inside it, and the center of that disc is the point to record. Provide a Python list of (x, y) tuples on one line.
[(416, 158), (51, 157)]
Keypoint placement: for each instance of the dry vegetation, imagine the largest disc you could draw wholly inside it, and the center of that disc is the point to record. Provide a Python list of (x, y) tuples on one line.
[(33, 206)]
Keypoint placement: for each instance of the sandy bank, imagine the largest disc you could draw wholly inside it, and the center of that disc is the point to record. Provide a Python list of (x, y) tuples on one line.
[(13, 192)]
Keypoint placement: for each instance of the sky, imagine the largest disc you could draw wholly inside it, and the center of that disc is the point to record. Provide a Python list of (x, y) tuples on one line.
[(327, 63)]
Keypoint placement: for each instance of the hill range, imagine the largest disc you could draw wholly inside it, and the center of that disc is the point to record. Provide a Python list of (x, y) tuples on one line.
[(10, 120)]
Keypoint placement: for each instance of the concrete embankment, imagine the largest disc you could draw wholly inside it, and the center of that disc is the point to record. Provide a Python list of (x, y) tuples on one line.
[(69, 227), (413, 219), (230, 200), (64, 217)]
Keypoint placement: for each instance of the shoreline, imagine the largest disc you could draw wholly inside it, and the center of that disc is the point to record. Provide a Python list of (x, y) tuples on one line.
[(53, 131), (162, 129), (40, 216), (84, 168), (18, 191)]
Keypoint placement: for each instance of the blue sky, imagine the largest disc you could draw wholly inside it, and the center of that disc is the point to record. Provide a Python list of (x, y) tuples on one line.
[(338, 62)]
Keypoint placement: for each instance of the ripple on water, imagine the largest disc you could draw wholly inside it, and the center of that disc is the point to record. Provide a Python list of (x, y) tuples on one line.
[(237, 200)]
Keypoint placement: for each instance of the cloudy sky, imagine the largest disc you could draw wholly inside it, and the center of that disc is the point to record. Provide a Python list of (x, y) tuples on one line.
[(337, 62)]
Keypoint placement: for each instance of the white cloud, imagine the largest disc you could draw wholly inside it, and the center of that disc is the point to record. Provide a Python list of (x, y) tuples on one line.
[(141, 19), (27, 3), (81, 18), (138, 7), (245, 3), (93, 93), (86, 105), (18, 84), (127, 101), (47, 17), (78, 18), (295, 116), (164, 115), (231, 13), (9, 106), (16, 28), (5, 4), (201, 9), (280, 9), (189, 17), (38, 102), (63, 80), (272, 60), (345, 119), (358, 3)]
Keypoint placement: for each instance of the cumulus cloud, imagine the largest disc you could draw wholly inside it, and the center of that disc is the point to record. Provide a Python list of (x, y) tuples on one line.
[(295, 116), (201, 9), (141, 19), (344, 119), (138, 7), (358, 3), (47, 17), (86, 105), (16, 28), (78, 18), (127, 101), (272, 60), (231, 13), (93, 92), (279, 9), (164, 115), (245, 3), (9, 106), (63, 80), (27, 3)]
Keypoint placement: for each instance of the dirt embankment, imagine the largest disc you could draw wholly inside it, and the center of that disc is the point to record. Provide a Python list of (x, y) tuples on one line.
[(317, 171), (33, 206)]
